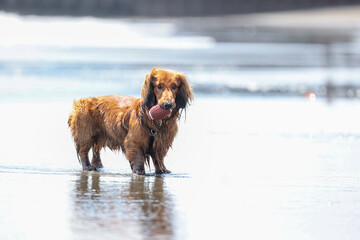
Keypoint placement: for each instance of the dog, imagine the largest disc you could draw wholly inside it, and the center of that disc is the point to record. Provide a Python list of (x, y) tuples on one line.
[(122, 122)]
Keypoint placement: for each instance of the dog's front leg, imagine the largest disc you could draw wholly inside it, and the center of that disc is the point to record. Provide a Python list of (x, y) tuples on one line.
[(158, 162), (133, 150), (137, 161)]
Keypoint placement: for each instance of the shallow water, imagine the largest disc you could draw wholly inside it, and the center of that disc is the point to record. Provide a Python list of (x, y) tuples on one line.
[(248, 168)]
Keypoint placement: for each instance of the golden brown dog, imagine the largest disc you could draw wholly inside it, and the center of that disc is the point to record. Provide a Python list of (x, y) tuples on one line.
[(121, 122)]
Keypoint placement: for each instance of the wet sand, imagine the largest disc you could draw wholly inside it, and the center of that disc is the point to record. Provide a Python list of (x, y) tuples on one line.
[(249, 168)]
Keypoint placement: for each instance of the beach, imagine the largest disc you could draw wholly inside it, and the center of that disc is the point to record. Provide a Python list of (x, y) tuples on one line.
[(241, 167)]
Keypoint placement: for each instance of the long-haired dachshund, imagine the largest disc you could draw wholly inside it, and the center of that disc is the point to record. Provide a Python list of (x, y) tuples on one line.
[(122, 122)]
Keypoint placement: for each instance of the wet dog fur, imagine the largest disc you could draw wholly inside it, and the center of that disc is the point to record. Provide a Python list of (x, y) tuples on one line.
[(121, 122)]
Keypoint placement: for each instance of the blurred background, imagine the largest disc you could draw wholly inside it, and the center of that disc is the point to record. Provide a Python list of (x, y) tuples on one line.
[(270, 146), (62, 49)]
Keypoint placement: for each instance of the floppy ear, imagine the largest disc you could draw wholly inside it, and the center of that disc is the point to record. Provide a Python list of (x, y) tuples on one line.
[(147, 92), (185, 94)]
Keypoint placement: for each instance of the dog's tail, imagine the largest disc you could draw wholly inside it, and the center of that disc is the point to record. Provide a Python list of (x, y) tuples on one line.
[(72, 123), (72, 116), (77, 105)]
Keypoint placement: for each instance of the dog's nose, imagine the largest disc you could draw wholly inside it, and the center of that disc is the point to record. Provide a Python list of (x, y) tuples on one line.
[(168, 105)]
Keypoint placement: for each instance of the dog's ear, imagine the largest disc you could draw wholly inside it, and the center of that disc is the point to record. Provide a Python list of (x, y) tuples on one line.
[(185, 94), (147, 91)]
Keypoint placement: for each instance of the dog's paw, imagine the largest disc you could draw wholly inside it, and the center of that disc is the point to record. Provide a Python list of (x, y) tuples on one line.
[(139, 172), (97, 165), (89, 168), (162, 171)]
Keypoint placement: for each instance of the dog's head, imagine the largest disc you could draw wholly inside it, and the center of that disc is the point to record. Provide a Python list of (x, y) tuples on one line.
[(167, 88)]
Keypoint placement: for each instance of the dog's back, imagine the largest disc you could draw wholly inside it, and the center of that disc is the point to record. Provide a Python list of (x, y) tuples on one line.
[(100, 121)]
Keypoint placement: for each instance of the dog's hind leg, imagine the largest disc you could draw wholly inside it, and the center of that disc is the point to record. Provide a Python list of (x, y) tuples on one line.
[(84, 157), (96, 160)]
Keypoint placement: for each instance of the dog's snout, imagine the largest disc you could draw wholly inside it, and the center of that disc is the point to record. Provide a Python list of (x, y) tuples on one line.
[(168, 105)]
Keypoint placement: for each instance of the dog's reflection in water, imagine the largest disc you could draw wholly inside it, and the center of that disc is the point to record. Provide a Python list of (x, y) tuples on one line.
[(136, 207)]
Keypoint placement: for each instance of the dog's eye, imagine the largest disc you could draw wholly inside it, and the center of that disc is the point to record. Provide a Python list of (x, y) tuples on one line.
[(174, 87), (159, 86)]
